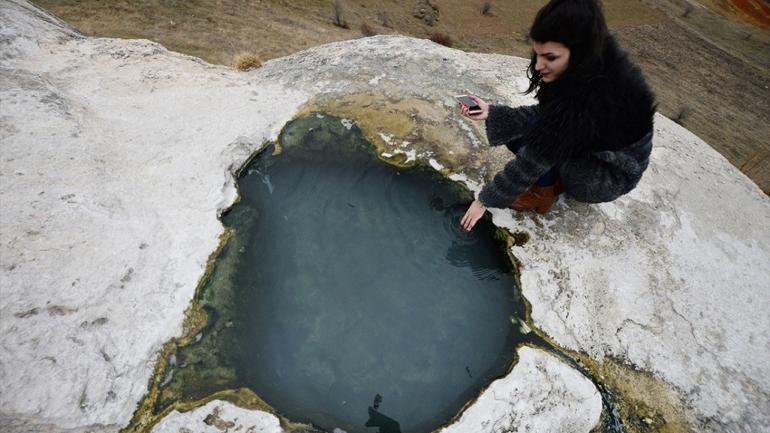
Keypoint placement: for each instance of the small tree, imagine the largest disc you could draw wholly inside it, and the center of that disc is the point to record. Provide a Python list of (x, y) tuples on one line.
[(688, 10), (367, 30), (338, 19), (384, 19), (487, 8), (680, 117)]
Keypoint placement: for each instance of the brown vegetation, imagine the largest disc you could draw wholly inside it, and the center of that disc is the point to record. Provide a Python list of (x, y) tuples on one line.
[(367, 30), (710, 61), (441, 38), (246, 61)]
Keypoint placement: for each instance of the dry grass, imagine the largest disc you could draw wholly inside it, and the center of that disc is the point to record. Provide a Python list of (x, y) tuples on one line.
[(246, 61), (441, 38), (726, 94)]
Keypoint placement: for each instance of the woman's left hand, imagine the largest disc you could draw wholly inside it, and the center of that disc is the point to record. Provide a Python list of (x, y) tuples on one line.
[(473, 215), (483, 112)]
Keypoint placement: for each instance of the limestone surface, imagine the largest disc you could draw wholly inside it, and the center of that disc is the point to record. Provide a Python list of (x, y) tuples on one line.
[(116, 157), (217, 417), (541, 392), (673, 278)]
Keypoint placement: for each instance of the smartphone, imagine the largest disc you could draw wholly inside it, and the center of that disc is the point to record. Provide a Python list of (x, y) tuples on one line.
[(470, 103)]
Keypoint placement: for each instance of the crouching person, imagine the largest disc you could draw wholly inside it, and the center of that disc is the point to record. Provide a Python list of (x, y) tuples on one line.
[(590, 135)]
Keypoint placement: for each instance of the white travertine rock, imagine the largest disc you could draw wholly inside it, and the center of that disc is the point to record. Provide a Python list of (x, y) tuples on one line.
[(541, 392), (117, 155), (673, 278), (116, 158), (216, 417)]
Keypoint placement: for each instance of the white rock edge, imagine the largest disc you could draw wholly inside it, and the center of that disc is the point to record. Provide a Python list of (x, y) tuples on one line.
[(221, 416)]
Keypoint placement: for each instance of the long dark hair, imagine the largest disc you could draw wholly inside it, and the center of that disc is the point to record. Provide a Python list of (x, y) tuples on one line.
[(578, 24)]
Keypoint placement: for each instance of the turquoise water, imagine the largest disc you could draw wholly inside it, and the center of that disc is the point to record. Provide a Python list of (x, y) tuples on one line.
[(360, 304)]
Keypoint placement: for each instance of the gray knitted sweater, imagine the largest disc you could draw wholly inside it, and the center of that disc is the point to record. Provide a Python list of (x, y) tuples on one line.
[(597, 131)]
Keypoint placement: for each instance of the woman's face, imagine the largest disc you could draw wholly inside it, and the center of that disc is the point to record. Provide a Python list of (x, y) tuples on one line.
[(552, 59)]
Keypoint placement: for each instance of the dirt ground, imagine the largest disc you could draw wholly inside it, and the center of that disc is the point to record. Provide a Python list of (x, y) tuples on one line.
[(708, 62)]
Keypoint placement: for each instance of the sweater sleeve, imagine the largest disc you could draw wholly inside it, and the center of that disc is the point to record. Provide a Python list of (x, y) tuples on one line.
[(518, 174), (562, 127), (507, 123)]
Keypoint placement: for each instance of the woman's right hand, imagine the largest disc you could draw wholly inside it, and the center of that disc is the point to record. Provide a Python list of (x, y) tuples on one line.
[(477, 115)]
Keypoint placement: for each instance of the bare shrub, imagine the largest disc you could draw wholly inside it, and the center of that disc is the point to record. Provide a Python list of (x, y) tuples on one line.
[(681, 116), (367, 30), (338, 19), (384, 19), (486, 9), (441, 38), (246, 61), (688, 10)]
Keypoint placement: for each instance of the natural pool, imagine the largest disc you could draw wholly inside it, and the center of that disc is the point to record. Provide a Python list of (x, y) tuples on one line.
[(348, 297)]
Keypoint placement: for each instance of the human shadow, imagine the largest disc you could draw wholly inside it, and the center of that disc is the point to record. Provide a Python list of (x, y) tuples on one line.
[(384, 423)]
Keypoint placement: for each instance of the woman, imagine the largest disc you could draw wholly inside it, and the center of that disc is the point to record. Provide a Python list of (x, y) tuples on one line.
[(591, 133)]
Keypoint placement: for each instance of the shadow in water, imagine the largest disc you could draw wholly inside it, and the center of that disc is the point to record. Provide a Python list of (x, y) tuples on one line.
[(384, 423)]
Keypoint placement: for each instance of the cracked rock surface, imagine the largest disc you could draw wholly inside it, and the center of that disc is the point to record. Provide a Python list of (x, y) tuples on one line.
[(117, 156)]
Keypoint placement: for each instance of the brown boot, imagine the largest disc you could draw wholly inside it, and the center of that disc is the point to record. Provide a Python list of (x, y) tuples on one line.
[(558, 187), (540, 198)]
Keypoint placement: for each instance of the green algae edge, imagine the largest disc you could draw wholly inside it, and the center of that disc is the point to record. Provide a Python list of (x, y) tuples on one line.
[(145, 417), (641, 402), (644, 403), (639, 409)]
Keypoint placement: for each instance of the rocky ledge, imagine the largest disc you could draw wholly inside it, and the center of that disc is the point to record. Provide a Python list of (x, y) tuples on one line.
[(118, 156)]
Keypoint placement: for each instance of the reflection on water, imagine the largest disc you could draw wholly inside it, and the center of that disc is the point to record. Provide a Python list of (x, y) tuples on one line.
[(382, 422), (347, 278)]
